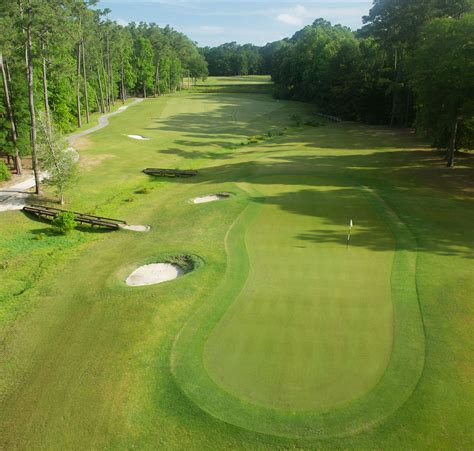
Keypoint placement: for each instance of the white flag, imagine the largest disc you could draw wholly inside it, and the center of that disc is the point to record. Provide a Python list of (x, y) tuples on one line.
[(350, 224)]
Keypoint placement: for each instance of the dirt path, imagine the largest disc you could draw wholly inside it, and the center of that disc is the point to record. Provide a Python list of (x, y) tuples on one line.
[(14, 197)]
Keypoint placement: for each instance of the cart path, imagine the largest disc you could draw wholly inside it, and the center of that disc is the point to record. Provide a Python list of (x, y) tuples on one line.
[(14, 197)]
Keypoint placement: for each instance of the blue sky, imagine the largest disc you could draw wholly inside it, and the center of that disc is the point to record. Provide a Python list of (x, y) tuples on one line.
[(213, 22)]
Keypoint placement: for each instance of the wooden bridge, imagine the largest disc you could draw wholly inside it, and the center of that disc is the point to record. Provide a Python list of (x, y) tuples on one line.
[(170, 172), (83, 218)]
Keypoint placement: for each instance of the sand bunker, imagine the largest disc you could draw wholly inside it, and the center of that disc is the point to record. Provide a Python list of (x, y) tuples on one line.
[(140, 137), (210, 198), (136, 228), (153, 274)]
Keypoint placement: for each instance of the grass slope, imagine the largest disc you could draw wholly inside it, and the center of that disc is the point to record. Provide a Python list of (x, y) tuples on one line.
[(312, 327), (85, 361)]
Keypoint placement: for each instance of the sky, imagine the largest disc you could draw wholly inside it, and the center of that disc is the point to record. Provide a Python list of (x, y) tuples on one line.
[(214, 22)]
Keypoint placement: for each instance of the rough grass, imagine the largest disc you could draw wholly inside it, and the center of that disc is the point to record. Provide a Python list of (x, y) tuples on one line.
[(86, 364)]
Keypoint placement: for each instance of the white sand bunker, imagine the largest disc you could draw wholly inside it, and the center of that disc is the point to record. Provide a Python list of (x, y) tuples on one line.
[(136, 228), (210, 198), (153, 274), (139, 137)]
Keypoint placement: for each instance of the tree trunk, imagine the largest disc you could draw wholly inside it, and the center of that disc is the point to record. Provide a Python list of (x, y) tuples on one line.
[(8, 105), (84, 74), (46, 97), (452, 145), (78, 86), (31, 100), (122, 81), (102, 104), (107, 95), (144, 90), (157, 77), (394, 93), (110, 76), (99, 107)]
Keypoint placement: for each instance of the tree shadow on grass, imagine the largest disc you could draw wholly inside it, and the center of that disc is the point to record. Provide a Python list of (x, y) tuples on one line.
[(435, 203)]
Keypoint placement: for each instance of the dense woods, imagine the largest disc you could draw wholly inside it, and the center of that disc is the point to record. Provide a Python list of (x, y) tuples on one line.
[(411, 64), (63, 60)]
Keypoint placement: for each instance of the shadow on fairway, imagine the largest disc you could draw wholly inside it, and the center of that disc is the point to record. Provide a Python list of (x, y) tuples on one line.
[(413, 183)]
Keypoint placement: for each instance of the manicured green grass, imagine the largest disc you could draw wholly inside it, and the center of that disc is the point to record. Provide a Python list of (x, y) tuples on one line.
[(237, 80), (88, 363), (312, 327)]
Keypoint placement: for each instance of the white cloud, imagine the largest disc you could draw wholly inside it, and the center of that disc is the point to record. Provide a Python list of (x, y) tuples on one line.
[(294, 16), (122, 22), (290, 19)]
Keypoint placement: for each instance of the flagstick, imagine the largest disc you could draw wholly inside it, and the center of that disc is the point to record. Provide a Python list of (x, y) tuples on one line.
[(350, 230)]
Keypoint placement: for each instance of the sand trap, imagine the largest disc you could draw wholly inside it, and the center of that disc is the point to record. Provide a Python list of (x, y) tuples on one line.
[(210, 198), (139, 137), (136, 228), (153, 274)]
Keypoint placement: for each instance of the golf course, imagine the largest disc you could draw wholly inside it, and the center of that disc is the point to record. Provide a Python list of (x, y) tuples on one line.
[(328, 304)]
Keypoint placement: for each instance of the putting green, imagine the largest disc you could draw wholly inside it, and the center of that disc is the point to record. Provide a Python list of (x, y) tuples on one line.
[(306, 336), (312, 328)]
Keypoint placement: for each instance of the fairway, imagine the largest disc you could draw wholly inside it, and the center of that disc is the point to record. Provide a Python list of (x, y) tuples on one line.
[(284, 335)]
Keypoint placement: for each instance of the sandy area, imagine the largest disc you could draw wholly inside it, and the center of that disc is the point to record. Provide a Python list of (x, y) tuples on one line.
[(136, 228), (139, 137), (210, 198), (153, 274)]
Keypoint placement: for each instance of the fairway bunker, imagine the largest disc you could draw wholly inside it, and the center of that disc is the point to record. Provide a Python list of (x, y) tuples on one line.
[(168, 269), (136, 228), (139, 137), (210, 198)]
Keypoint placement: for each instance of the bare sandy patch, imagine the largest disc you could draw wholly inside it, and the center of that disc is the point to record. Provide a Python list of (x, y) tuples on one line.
[(139, 137), (91, 161), (82, 143), (153, 274), (210, 198), (136, 228)]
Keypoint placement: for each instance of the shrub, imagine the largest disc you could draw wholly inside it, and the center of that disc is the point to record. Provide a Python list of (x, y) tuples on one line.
[(144, 190), (64, 222), (296, 118), (4, 172), (314, 122)]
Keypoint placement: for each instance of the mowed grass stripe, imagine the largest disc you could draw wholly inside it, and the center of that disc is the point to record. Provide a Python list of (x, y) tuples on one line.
[(313, 327), (392, 390)]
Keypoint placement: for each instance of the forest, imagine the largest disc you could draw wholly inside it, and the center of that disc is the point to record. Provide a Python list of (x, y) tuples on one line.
[(410, 65), (66, 60)]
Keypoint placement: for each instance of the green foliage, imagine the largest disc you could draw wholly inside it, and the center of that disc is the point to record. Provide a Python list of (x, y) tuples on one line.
[(4, 172), (64, 222), (233, 59), (56, 158), (441, 76)]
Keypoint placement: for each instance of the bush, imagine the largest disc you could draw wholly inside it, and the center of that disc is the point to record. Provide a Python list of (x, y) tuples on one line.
[(314, 122), (144, 190), (296, 118), (64, 222), (4, 172)]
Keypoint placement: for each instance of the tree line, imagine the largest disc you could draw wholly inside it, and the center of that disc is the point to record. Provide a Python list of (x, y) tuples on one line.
[(62, 60), (411, 64)]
